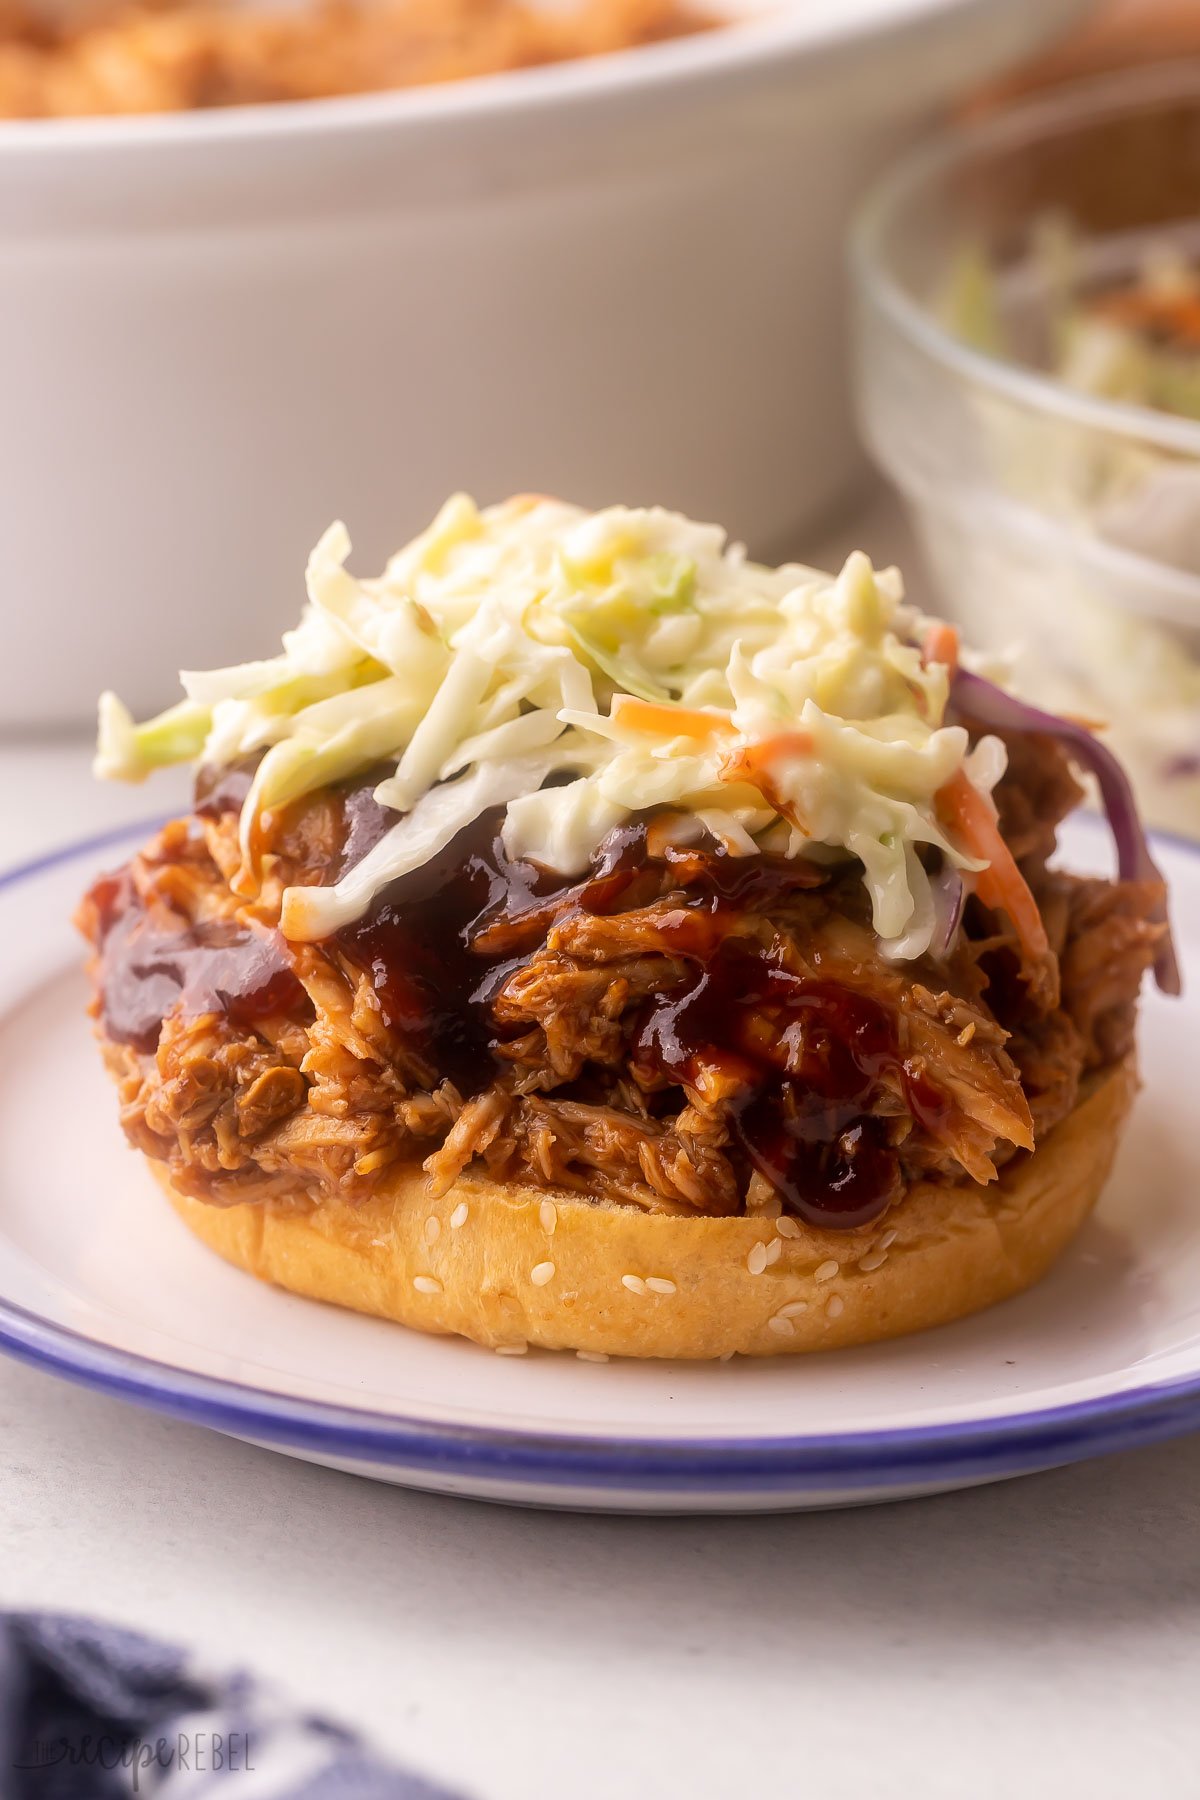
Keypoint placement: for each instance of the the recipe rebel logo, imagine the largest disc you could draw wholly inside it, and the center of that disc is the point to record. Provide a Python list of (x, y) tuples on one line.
[(199, 1752)]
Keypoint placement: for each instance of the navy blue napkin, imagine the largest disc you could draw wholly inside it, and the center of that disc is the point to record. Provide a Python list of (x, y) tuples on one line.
[(92, 1712)]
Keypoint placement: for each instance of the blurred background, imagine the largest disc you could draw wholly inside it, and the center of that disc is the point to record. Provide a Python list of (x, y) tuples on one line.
[(266, 264)]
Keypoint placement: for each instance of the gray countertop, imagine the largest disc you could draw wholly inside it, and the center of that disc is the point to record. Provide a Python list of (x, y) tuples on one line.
[(1041, 1637)]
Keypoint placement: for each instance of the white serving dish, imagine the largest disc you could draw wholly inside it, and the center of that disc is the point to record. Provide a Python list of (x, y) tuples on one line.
[(613, 279)]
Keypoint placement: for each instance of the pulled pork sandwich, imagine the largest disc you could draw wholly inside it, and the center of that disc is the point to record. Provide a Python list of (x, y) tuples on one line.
[(585, 937)]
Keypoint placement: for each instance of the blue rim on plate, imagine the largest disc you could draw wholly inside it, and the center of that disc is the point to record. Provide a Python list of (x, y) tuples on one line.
[(927, 1455)]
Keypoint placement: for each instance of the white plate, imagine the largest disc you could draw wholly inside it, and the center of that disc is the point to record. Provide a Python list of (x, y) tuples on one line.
[(100, 1282)]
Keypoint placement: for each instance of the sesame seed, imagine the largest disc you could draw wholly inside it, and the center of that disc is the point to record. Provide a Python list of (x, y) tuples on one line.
[(728, 1356), (787, 1228), (888, 1239), (781, 1327), (792, 1309), (511, 1349), (541, 1273), (756, 1262), (874, 1259), (548, 1214), (634, 1283), (458, 1217), (658, 1284), (592, 1355), (827, 1270), (774, 1251), (834, 1306), (427, 1284), (432, 1229)]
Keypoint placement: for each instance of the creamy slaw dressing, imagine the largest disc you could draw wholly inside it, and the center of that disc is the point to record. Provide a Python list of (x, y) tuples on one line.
[(633, 655)]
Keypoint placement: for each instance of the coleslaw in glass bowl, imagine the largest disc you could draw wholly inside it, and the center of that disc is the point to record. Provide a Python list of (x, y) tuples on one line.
[(1048, 450)]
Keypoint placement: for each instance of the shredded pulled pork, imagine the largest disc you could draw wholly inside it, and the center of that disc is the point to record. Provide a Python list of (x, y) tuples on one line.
[(148, 56), (687, 1032)]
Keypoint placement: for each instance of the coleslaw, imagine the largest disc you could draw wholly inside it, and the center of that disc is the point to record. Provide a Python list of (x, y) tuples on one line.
[(577, 668)]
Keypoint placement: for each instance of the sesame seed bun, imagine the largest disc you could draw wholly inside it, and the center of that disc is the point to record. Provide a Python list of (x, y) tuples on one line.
[(509, 1265)]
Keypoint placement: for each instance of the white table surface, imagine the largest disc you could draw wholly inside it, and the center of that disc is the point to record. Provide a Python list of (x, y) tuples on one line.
[(1039, 1638)]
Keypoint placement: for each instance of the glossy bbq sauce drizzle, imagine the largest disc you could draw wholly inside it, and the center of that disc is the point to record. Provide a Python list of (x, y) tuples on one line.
[(805, 1060), (800, 1061), (414, 945), (151, 962), (437, 943)]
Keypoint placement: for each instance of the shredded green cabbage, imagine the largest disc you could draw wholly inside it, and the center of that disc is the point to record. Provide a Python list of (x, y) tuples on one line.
[(632, 651)]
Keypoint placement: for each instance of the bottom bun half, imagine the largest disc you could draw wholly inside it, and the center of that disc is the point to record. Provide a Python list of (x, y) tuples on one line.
[(509, 1265)]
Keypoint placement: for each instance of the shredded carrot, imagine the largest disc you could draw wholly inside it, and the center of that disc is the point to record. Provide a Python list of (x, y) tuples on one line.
[(1176, 316), (1095, 726), (965, 813), (753, 758), (941, 645), (753, 763), (670, 720)]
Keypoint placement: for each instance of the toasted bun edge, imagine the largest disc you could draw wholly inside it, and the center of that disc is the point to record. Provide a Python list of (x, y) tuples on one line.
[(523, 1266)]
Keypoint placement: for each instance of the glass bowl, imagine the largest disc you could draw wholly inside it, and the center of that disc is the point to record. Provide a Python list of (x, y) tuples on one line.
[(1062, 528)]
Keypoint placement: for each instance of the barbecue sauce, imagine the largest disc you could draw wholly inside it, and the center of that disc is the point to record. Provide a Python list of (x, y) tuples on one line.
[(439, 942), (414, 943), (152, 962), (223, 789), (808, 1058), (804, 1059)]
